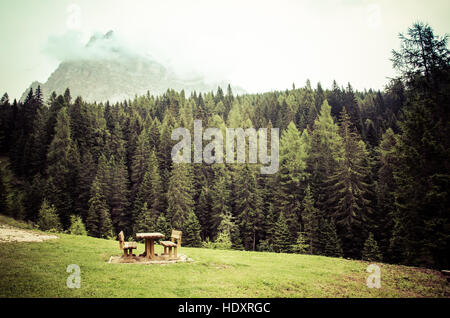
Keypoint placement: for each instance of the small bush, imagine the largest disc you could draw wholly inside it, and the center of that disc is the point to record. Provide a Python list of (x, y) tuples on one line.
[(48, 220), (76, 226), (208, 244), (265, 246), (301, 246), (223, 241)]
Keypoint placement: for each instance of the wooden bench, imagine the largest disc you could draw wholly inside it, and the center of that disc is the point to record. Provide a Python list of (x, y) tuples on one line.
[(168, 245), (127, 247)]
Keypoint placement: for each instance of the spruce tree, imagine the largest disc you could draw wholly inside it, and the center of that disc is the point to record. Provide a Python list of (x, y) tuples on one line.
[(48, 219), (220, 197), (87, 175), (349, 189), (422, 172), (292, 174), (248, 205), (179, 195), (385, 209), (118, 200), (325, 153), (370, 251), (139, 163), (191, 231), (62, 170), (163, 226), (330, 241), (301, 246), (144, 222), (311, 217), (282, 240), (76, 226), (98, 221)]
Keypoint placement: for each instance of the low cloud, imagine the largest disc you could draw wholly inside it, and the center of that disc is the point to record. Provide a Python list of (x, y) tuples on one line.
[(70, 46)]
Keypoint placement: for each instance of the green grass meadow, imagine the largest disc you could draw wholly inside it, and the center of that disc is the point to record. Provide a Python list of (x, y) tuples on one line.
[(39, 270)]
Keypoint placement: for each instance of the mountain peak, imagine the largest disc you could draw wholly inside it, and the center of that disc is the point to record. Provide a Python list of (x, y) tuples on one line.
[(99, 37)]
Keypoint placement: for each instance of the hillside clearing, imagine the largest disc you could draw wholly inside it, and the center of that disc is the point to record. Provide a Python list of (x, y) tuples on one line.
[(39, 270)]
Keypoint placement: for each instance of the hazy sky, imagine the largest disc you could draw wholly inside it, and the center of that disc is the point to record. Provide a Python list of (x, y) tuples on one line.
[(258, 45)]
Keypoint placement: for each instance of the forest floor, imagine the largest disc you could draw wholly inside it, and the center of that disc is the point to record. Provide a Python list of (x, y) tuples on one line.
[(39, 269)]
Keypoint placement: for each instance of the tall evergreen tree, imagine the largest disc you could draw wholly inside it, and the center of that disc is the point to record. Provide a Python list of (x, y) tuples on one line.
[(282, 240), (422, 172), (62, 170), (179, 195), (349, 189), (248, 206), (98, 221)]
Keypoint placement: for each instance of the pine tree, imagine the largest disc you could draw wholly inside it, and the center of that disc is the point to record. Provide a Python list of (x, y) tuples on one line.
[(292, 174), (248, 205), (370, 251), (226, 230), (87, 175), (163, 226), (422, 172), (33, 196), (145, 223), (191, 231), (36, 146), (139, 163), (282, 237), (220, 197), (48, 219), (98, 222), (203, 212), (301, 246), (118, 200), (330, 240), (62, 170), (386, 211), (311, 218), (325, 153), (179, 196), (77, 226), (349, 189)]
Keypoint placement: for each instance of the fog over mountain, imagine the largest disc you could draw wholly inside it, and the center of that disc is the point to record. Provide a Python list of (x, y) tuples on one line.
[(106, 69)]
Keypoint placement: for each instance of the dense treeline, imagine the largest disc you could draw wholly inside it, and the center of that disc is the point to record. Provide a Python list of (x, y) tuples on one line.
[(362, 174)]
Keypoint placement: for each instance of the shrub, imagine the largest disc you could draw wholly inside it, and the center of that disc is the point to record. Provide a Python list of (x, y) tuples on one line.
[(76, 226), (301, 246), (48, 220), (223, 241), (265, 246)]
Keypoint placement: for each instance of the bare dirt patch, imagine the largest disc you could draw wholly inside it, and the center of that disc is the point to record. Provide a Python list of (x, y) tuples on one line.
[(143, 260), (12, 234)]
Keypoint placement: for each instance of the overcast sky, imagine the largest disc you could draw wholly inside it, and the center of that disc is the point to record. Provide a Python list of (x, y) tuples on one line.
[(258, 45)]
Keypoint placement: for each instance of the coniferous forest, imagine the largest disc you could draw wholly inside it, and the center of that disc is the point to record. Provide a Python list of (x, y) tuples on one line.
[(363, 174)]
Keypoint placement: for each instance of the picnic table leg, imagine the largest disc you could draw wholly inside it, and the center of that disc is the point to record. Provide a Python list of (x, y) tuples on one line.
[(147, 248), (152, 248)]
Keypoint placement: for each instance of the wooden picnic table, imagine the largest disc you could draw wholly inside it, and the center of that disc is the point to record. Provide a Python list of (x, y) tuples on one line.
[(149, 242)]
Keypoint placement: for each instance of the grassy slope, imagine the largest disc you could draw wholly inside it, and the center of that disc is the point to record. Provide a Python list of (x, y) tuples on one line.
[(39, 270)]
